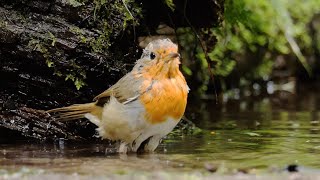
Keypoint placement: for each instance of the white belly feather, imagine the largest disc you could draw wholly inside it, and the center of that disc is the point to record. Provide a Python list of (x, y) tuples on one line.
[(126, 122)]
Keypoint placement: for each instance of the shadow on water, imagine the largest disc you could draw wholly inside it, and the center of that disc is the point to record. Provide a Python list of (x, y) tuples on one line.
[(256, 133)]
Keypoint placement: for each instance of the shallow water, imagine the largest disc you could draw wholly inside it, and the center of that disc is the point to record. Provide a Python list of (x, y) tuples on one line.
[(251, 133)]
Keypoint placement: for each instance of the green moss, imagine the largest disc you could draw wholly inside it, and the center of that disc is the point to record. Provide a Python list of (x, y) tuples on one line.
[(75, 3), (128, 16), (97, 45), (3, 23), (105, 12), (52, 38), (102, 43), (80, 35), (57, 73), (77, 75), (36, 45), (78, 81), (170, 4), (111, 18)]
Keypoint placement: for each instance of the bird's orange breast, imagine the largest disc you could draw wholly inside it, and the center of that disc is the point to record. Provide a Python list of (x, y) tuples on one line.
[(165, 99)]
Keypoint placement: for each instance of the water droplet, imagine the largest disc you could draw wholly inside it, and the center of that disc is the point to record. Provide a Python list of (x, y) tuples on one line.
[(25, 128), (110, 151), (61, 143), (165, 150), (256, 86), (97, 149), (270, 87)]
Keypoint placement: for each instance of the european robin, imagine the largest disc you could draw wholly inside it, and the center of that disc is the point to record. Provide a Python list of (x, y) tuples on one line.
[(144, 105)]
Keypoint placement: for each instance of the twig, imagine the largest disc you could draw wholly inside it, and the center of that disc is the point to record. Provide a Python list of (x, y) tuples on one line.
[(203, 48)]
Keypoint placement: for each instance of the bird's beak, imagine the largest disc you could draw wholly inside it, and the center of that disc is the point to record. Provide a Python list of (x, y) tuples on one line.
[(174, 55)]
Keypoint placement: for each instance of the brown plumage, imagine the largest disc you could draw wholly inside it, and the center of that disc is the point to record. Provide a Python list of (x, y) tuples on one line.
[(74, 112)]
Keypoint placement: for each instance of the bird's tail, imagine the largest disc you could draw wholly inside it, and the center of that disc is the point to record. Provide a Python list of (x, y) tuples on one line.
[(76, 111)]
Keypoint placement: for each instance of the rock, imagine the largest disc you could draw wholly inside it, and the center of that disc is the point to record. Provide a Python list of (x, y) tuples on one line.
[(61, 52)]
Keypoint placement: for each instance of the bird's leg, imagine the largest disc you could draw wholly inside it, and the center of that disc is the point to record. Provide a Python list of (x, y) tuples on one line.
[(153, 143), (123, 148), (137, 142)]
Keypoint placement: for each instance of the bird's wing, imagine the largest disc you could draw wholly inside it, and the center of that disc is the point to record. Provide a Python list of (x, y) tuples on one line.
[(125, 90), (104, 94)]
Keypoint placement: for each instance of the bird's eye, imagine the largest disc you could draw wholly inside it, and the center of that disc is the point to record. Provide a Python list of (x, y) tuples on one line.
[(152, 55)]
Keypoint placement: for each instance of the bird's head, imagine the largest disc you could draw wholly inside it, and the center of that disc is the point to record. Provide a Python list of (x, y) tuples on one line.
[(159, 59)]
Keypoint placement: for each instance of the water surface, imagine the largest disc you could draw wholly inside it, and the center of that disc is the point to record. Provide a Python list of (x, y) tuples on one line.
[(248, 133)]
